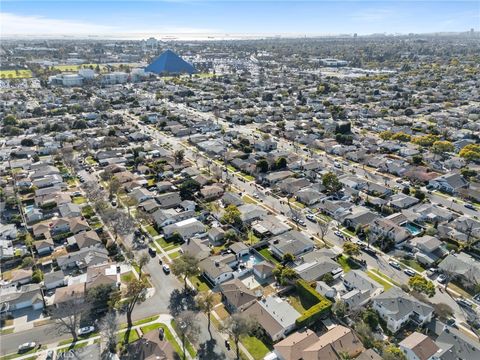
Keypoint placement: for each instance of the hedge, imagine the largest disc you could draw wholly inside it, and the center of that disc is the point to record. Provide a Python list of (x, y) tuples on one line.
[(317, 311)]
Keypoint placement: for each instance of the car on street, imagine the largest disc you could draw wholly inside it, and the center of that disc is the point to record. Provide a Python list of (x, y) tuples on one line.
[(26, 346), (409, 272), (470, 206), (442, 278), (431, 272), (310, 217), (370, 251), (395, 265), (86, 330), (463, 303), (166, 269), (451, 322), (256, 196), (152, 252), (339, 234)]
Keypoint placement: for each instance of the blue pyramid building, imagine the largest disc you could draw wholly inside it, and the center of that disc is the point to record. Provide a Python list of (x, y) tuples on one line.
[(170, 63)]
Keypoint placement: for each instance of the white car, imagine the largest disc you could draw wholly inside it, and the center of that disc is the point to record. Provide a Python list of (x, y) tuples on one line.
[(409, 272), (442, 278), (27, 346), (166, 269), (310, 217), (394, 265), (339, 234), (86, 330)]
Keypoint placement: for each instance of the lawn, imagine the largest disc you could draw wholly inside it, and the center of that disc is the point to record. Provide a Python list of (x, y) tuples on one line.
[(76, 346), (88, 211), (382, 275), (79, 200), (252, 238), (200, 283), (151, 230), (90, 160), (127, 277), (296, 303), (175, 254), (380, 280), (413, 264), (165, 245), (265, 252), (255, 347), (15, 74), (231, 168), (346, 264), (249, 200), (248, 177)]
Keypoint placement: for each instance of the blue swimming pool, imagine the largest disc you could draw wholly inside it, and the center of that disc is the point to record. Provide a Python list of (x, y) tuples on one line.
[(251, 259), (413, 229)]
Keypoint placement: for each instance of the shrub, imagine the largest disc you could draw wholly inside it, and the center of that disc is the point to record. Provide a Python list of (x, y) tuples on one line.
[(320, 309)]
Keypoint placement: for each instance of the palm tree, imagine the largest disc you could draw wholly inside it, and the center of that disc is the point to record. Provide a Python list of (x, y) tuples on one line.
[(206, 302)]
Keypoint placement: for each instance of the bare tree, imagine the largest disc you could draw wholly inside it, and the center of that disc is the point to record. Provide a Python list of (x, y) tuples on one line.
[(142, 261), (237, 326), (178, 156), (206, 302), (187, 327), (108, 330), (68, 315), (121, 224), (134, 294), (323, 227)]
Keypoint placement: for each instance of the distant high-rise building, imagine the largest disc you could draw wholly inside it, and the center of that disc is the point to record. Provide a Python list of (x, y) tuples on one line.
[(151, 42)]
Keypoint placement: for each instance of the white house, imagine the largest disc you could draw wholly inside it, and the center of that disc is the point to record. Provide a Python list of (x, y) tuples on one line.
[(397, 308)]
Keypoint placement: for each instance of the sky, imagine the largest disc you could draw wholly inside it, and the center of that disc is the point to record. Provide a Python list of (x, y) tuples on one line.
[(125, 18)]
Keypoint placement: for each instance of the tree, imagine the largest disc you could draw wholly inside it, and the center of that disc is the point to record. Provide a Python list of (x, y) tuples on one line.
[(351, 249), (386, 135), (9, 120), (471, 152), (27, 142), (185, 266), (401, 136), (188, 188), (417, 159), (420, 284), (323, 227), (365, 333), (178, 156), (102, 297), (442, 147), (232, 215), (206, 302), (391, 352), (281, 163), (27, 262), (121, 223), (37, 276), (284, 274), (287, 258), (262, 165), (108, 330), (426, 140), (187, 327), (419, 194), (340, 309), (238, 325), (328, 279), (331, 182), (370, 317), (142, 261), (68, 315), (133, 295), (114, 186)]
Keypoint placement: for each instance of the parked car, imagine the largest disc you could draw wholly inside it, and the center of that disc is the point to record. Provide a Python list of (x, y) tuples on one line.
[(409, 272), (442, 278), (463, 303), (310, 217), (27, 346), (470, 206), (431, 272), (451, 322), (395, 265), (152, 252), (370, 251), (339, 234), (166, 269), (86, 330)]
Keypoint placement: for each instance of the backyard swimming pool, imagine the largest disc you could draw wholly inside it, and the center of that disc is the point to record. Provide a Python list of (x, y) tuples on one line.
[(413, 229)]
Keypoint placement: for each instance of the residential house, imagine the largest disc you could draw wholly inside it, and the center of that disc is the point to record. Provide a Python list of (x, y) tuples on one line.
[(25, 297), (141, 194), (169, 200), (361, 289), (211, 192), (85, 239), (291, 242), (418, 346), (216, 235), (401, 201), (69, 210), (397, 308), (83, 258), (44, 246), (450, 183), (164, 217), (185, 228), (313, 266), (275, 315), (462, 267), (54, 279), (236, 295), (270, 225), (251, 212), (385, 229), (454, 344), (218, 269)]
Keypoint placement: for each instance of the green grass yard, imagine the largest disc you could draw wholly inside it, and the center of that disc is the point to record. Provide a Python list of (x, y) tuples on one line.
[(255, 347), (413, 264), (15, 74), (379, 280), (151, 230), (265, 252), (79, 200)]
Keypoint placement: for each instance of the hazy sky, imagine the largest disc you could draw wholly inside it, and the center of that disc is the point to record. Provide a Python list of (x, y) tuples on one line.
[(233, 17)]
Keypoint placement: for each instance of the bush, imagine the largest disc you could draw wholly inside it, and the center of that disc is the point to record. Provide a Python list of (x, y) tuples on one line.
[(320, 309)]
